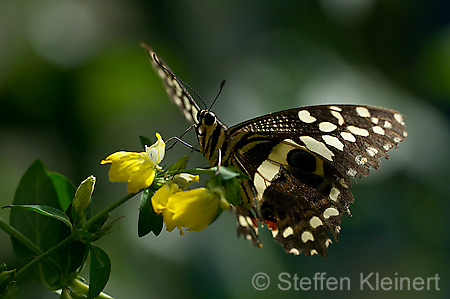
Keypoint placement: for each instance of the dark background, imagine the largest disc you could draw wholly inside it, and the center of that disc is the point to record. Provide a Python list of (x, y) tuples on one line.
[(75, 86)]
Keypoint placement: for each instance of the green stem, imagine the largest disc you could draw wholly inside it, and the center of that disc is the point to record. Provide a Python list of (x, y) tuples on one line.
[(19, 237), (81, 288), (195, 171), (103, 213), (43, 256)]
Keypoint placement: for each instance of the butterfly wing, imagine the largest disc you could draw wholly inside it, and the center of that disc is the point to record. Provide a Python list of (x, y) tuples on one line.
[(174, 87), (300, 163)]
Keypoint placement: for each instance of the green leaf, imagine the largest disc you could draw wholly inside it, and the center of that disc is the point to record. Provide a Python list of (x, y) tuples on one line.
[(228, 173), (72, 257), (180, 164), (148, 221), (36, 188), (233, 191), (8, 286), (46, 211), (100, 269), (65, 189), (145, 141)]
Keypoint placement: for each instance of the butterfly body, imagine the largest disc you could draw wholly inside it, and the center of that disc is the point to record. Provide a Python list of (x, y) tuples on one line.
[(300, 162)]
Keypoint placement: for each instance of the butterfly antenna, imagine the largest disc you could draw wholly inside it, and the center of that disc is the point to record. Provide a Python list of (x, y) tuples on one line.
[(217, 96), (175, 77)]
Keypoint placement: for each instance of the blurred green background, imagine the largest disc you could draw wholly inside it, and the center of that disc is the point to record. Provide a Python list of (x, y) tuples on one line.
[(76, 86)]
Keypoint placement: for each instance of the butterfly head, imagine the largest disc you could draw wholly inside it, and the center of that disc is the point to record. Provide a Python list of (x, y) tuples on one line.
[(207, 121), (207, 118)]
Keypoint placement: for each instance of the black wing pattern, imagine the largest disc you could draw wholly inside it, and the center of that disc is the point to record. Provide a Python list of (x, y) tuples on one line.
[(301, 162)]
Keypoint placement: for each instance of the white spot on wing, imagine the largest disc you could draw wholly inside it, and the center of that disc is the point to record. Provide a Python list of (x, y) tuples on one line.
[(275, 233), (338, 116), (348, 136), (333, 141), (313, 252), (188, 116), (315, 222), (335, 108), (379, 130), (194, 113), (397, 139), (330, 212), (342, 182), (363, 111), (179, 91), (287, 232), (387, 124), (317, 147), (371, 151), (280, 151), (162, 73), (294, 251), (351, 172), (178, 101), (328, 242), (306, 117), (399, 118), (334, 193), (264, 175), (327, 126), (358, 131), (187, 103), (307, 236), (374, 120), (242, 221), (360, 160), (387, 146)]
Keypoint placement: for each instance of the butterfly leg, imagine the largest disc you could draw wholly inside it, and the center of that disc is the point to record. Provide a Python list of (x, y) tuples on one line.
[(182, 142)]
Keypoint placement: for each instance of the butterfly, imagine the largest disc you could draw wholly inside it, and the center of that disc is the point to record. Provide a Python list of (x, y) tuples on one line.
[(299, 162)]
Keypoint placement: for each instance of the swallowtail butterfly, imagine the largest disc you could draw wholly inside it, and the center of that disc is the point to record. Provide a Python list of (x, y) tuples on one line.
[(300, 162)]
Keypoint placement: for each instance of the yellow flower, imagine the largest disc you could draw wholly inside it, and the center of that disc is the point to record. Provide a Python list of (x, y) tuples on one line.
[(138, 169), (183, 180), (193, 209)]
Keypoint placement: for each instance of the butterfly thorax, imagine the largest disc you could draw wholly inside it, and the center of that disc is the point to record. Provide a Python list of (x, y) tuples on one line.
[(211, 134)]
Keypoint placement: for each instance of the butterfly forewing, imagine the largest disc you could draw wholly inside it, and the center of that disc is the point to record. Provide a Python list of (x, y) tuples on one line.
[(174, 87), (300, 163)]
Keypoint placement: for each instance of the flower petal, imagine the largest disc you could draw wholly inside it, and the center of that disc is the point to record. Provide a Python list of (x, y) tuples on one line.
[(140, 180), (161, 196), (195, 209), (185, 179), (125, 164), (157, 150)]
